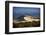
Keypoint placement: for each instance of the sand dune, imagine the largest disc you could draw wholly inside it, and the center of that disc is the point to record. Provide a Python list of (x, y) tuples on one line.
[(27, 19)]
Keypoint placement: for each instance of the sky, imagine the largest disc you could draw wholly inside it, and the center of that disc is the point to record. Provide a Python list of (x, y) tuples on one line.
[(31, 11)]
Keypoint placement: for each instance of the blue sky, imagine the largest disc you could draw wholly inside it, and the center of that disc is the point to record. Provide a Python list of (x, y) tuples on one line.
[(19, 11)]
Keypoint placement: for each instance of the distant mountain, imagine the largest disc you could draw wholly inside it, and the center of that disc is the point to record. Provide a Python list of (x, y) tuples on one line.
[(21, 18), (19, 15)]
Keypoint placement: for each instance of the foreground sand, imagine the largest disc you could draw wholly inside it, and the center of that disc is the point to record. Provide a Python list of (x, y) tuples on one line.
[(26, 24)]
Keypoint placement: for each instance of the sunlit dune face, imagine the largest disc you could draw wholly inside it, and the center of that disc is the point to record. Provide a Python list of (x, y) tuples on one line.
[(28, 18)]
